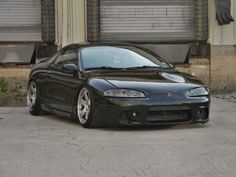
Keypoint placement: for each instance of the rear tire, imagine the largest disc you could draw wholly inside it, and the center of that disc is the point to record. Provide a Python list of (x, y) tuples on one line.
[(33, 101), (85, 108)]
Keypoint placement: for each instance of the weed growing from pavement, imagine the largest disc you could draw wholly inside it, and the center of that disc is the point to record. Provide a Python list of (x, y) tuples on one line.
[(3, 86)]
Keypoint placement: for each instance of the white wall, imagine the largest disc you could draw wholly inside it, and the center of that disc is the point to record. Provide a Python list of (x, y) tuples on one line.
[(221, 35), (70, 22)]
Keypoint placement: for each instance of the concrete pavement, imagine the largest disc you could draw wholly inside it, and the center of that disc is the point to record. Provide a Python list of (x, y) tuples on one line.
[(49, 146)]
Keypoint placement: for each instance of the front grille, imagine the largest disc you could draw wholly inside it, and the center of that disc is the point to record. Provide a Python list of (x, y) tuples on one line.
[(168, 116)]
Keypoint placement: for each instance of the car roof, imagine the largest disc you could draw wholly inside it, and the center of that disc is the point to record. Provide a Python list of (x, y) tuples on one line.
[(88, 44)]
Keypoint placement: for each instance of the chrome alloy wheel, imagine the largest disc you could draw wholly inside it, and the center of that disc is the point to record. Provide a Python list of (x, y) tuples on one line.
[(31, 95), (83, 106)]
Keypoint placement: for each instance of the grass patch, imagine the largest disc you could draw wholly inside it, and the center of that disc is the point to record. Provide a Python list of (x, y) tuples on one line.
[(3, 86)]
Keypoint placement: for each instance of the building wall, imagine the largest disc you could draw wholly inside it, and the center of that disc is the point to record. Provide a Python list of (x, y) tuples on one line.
[(223, 51), (221, 35), (70, 22)]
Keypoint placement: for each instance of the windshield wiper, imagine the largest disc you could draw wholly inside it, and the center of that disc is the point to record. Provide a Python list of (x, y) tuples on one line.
[(103, 68), (143, 67), (130, 68)]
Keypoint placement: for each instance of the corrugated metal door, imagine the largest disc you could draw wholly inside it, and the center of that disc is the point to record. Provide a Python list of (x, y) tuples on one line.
[(149, 20), (20, 20)]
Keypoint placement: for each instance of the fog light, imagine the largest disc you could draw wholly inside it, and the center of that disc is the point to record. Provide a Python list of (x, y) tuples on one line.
[(133, 116), (202, 113), (199, 112)]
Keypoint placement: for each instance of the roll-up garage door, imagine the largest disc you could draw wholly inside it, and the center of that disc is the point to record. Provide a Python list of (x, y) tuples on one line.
[(149, 20), (20, 20)]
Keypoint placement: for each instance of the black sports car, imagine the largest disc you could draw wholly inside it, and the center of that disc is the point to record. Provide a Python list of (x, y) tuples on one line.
[(116, 84)]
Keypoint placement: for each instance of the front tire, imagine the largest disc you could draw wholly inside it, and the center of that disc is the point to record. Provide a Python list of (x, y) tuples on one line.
[(33, 101), (85, 107)]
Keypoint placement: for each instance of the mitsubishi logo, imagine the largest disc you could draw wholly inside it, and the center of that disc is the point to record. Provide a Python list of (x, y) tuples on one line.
[(169, 94)]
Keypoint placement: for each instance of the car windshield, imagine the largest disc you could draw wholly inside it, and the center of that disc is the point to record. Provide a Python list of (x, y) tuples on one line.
[(128, 57)]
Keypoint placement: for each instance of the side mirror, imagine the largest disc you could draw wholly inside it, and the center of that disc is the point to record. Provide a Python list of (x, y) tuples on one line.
[(70, 67), (172, 66)]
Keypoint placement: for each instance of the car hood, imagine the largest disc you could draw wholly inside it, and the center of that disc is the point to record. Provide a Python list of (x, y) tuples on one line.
[(151, 81)]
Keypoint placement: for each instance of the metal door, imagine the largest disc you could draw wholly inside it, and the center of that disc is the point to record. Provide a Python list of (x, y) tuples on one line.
[(147, 21), (20, 20)]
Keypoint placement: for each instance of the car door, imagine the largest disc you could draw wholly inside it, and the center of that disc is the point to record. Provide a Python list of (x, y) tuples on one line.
[(63, 85)]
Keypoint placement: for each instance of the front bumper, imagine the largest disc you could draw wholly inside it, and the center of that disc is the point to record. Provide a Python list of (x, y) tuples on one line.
[(120, 111)]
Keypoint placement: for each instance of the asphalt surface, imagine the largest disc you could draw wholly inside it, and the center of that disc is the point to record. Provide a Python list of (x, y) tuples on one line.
[(49, 146)]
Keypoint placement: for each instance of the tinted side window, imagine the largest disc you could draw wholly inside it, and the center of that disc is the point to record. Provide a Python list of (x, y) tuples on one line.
[(69, 56)]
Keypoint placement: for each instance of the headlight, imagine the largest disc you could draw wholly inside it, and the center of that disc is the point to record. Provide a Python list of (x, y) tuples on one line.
[(201, 91), (124, 93)]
